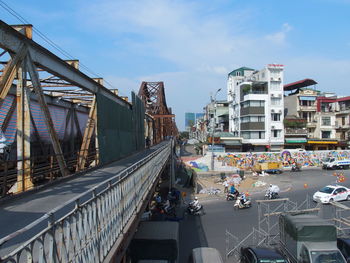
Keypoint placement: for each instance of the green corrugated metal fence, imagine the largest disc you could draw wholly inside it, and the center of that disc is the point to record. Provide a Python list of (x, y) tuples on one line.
[(120, 129)]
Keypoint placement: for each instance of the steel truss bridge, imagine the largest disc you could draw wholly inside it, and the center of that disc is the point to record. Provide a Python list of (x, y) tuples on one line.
[(56, 122)]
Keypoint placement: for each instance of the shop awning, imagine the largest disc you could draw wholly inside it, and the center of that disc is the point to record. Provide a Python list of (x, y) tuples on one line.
[(322, 142), (296, 140), (231, 143)]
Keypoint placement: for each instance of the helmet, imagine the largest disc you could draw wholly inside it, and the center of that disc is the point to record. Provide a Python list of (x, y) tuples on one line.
[(196, 198), (270, 185)]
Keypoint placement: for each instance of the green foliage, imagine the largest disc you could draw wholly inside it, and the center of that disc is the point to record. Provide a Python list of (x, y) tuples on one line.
[(246, 89), (184, 135), (294, 123)]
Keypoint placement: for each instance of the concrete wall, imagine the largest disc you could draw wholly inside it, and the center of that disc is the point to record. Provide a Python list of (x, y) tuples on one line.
[(232, 161)]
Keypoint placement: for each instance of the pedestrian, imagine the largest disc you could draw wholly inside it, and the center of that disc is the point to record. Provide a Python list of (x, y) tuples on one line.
[(226, 186)]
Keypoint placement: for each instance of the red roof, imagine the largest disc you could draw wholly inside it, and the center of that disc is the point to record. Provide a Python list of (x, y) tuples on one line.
[(299, 84), (344, 99)]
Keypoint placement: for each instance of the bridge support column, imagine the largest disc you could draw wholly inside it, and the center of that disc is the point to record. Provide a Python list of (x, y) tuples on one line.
[(24, 181), (89, 129)]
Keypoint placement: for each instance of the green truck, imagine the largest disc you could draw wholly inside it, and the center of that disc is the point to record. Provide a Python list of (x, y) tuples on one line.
[(308, 238)]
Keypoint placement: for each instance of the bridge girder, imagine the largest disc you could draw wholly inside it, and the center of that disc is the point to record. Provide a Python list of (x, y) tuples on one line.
[(153, 97)]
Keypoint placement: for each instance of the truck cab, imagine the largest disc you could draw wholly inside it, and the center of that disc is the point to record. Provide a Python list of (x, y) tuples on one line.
[(307, 238), (318, 252)]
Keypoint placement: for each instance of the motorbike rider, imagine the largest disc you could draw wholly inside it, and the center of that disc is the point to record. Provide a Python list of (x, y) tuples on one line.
[(243, 198), (232, 189), (273, 190), (195, 202)]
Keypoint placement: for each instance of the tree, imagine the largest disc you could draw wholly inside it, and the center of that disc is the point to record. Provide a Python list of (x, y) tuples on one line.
[(184, 135)]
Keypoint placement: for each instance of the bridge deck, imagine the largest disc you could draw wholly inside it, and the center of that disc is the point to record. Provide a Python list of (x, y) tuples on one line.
[(19, 212)]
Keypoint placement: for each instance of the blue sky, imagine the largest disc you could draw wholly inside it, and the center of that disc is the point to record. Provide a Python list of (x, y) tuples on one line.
[(193, 45)]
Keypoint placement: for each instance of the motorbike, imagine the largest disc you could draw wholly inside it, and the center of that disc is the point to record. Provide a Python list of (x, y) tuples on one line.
[(238, 204), (194, 209), (271, 195), (296, 168), (167, 209), (232, 196)]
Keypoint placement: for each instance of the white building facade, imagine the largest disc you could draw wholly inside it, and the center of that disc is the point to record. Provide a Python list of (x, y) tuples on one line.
[(256, 107)]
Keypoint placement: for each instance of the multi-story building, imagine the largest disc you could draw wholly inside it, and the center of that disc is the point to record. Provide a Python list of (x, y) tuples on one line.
[(342, 123), (320, 113), (191, 118), (256, 107)]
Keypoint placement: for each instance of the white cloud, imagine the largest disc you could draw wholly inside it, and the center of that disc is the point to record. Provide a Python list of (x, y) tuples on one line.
[(202, 47), (279, 38)]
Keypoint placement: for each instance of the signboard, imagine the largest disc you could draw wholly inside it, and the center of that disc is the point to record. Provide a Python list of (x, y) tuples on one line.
[(275, 65), (216, 140), (216, 148)]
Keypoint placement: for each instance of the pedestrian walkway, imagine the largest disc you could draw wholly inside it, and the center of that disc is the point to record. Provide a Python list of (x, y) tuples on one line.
[(20, 211)]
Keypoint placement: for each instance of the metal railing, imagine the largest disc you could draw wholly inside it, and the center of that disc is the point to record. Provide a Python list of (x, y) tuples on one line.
[(98, 220)]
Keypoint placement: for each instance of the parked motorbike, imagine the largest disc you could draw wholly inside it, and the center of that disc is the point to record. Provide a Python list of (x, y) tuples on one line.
[(238, 204), (232, 196), (271, 195), (166, 208), (194, 209)]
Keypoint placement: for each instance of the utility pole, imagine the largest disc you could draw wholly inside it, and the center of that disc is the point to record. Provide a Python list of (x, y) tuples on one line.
[(213, 128)]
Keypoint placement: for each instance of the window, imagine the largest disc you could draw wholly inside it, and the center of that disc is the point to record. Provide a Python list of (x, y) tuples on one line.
[(275, 86), (326, 134), (275, 117), (253, 103), (249, 256), (238, 73), (343, 120), (276, 133), (326, 121), (275, 101), (304, 256), (252, 119), (253, 135)]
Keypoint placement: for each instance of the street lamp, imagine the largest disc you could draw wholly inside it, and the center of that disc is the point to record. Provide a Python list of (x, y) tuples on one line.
[(212, 131)]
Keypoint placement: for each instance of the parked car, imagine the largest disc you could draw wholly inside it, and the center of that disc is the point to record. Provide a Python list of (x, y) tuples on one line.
[(344, 247), (260, 255), (331, 193)]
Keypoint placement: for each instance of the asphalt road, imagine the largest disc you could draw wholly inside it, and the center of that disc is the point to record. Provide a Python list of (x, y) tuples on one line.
[(209, 229)]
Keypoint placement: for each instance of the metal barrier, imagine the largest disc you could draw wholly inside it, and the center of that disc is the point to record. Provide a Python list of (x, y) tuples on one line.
[(88, 232)]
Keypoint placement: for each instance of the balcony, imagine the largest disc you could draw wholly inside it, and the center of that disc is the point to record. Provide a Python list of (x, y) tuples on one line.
[(251, 126), (311, 124), (307, 108), (252, 110), (295, 131)]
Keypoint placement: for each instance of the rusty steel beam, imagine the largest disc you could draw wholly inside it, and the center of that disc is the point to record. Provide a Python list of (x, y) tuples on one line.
[(89, 129), (24, 181), (10, 71), (49, 124), (12, 41), (153, 97)]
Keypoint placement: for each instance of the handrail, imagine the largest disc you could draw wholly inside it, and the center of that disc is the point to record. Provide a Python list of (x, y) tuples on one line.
[(139, 174)]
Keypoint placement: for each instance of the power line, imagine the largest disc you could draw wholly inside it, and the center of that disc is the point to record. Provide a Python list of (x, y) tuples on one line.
[(49, 41)]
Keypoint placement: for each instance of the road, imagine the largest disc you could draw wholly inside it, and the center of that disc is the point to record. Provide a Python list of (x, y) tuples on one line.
[(209, 229)]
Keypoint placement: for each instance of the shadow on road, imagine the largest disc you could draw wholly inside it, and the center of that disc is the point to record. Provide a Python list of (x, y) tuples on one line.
[(192, 235)]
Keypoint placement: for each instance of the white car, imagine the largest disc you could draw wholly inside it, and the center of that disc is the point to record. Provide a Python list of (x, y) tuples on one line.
[(331, 193)]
